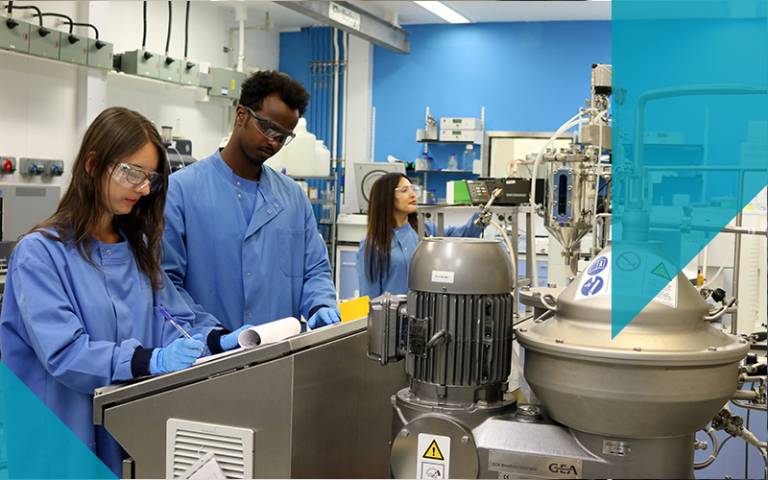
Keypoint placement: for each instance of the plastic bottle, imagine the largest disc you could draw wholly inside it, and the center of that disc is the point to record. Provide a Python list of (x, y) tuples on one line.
[(302, 157), (468, 157), (452, 163), (322, 160)]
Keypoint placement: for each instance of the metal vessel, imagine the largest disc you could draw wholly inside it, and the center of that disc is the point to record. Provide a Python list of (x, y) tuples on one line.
[(665, 375), (623, 407)]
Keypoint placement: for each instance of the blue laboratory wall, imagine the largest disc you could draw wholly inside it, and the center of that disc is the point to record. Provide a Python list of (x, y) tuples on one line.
[(529, 76)]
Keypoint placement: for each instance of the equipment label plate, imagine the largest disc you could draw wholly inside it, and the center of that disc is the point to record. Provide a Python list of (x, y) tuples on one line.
[(433, 459), (439, 276), (515, 465)]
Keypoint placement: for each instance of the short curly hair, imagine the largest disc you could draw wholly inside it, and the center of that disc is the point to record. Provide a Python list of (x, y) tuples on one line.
[(264, 83)]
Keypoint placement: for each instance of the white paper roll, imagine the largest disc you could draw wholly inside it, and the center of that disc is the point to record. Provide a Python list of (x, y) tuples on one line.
[(269, 332)]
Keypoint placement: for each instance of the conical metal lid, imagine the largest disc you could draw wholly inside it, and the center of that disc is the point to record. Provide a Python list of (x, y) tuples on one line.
[(671, 329)]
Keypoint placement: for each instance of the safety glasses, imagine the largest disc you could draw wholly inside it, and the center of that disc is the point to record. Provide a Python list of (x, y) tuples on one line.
[(406, 189), (134, 177), (270, 129)]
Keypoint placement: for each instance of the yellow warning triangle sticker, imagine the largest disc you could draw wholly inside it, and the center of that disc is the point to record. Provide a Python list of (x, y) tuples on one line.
[(433, 452)]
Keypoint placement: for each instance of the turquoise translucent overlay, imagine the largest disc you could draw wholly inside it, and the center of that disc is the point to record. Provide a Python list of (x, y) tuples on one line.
[(690, 136), (34, 443)]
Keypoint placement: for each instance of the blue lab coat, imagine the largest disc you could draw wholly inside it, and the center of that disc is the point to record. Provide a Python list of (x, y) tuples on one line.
[(241, 251), (404, 242), (68, 327)]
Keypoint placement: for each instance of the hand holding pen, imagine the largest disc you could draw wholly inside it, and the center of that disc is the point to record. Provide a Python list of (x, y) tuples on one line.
[(179, 354)]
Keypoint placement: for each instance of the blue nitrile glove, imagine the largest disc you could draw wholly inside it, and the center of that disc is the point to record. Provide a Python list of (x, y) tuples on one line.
[(324, 316), (475, 226), (180, 354), (229, 341)]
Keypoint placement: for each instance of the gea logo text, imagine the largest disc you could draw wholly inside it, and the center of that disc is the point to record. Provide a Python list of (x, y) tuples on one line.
[(563, 469)]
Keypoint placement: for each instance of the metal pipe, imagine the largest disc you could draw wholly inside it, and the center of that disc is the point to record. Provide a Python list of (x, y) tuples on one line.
[(709, 228), (530, 245), (345, 109), (241, 45), (335, 123), (744, 395), (708, 168), (603, 230), (749, 406), (752, 378), (635, 188), (737, 256), (715, 450), (745, 231)]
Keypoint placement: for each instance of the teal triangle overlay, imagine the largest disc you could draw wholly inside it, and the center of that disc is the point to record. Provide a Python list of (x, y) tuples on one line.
[(34, 443), (693, 75), (661, 271)]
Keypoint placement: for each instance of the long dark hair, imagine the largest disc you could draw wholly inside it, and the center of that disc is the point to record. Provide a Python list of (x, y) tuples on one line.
[(381, 222), (115, 134)]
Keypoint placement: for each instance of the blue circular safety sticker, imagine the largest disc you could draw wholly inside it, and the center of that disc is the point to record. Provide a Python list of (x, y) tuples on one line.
[(598, 265), (592, 286)]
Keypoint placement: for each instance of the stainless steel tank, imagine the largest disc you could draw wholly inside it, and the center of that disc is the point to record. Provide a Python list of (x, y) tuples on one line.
[(666, 374)]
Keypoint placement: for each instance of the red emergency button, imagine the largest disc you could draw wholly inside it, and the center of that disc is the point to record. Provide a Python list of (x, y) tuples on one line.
[(8, 166)]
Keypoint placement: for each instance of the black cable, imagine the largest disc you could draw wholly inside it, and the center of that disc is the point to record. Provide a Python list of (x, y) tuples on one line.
[(71, 37), (31, 7), (170, 19), (144, 32), (11, 23), (95, 30), (186, 30), (99, 44), (58, 15)]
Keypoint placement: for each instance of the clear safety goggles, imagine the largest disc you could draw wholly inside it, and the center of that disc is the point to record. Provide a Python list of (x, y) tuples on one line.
[(134, 177), (270, 129)]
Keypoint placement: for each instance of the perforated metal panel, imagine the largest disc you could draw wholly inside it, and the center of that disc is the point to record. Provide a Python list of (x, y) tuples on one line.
[(188, 441)]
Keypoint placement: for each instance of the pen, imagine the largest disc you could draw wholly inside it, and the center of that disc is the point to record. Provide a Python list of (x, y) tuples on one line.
[(167, 315)]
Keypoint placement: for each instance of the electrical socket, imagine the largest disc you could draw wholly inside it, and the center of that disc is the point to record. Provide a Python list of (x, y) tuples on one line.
[(45, 45), (14, 34), (74, 52), (100, 57), (32, 166), (7, 165), (53, 168)]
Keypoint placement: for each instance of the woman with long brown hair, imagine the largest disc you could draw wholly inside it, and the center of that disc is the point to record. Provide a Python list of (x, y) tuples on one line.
[(86, 303), (384, 255)]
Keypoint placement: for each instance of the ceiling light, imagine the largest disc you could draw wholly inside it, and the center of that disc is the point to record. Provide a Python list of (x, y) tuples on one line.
[(443, 11)]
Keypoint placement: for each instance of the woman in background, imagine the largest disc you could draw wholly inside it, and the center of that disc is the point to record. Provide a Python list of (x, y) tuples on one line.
[(385, 254)]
